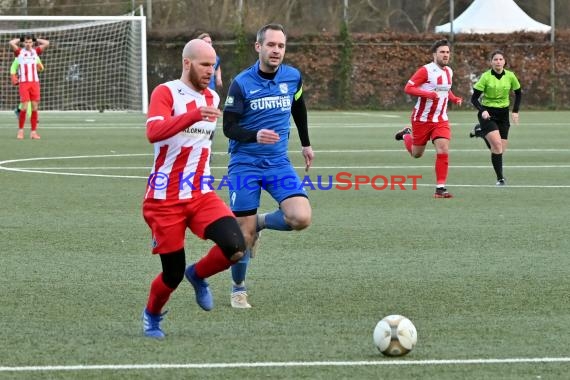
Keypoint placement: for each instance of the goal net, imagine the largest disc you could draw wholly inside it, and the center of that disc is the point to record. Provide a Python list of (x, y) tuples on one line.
[(92, 62)]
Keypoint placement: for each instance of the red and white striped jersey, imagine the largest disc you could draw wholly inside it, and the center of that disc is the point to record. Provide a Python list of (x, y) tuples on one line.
[(27, 61), (181, 161), (431, 77)]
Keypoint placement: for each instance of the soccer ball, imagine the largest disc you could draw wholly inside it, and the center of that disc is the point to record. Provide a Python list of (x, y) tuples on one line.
[(395, 335)]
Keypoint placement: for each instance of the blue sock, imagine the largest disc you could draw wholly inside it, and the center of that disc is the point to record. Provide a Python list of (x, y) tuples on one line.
[(276, 221), (239, 269)]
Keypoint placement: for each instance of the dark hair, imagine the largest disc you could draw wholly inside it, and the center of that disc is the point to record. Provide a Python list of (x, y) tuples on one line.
[(27, 37), (495, 52), (261, 32), (203, 35), (437, 44)]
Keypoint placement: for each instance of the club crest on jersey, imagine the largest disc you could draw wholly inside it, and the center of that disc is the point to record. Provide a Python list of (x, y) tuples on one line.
[(283, 88), (230, 101)]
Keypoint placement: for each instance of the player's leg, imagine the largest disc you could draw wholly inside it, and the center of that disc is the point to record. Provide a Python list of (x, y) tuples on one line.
[(405, 135), (163, 285), (168, 227), (399, 136), (476, 131), (494, 140), (418, 151), (245, 193), (294, 212), (416, 141), (24, 99), (212, 219), (480, 130), (239, 296), (297, 212), (502, 142), (35, 98), (491, 135), (441, 136)]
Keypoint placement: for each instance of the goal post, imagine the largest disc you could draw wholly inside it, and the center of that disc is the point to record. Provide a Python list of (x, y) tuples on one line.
[(92, 62)]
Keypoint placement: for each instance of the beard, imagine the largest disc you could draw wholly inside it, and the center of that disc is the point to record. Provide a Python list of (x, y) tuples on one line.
[(196, 80), (442, 62)]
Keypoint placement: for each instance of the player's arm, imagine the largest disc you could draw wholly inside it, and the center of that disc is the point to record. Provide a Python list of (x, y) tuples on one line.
[(454, 98), (299, 113), (232, 116), (219, 75), (516, 86), (39, 64), (517, 103), (42, 44), (475, 100), (14, 72), (160, 125), (14, 67), (413, 85), (15, 44)]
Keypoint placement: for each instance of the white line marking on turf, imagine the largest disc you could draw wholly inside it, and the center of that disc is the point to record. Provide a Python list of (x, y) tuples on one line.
[(368, 114), (40, 170), (284, 364), (104, 124)]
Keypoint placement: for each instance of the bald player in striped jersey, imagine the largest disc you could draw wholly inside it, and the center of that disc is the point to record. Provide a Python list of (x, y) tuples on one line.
[(431, 83), (180, 122)]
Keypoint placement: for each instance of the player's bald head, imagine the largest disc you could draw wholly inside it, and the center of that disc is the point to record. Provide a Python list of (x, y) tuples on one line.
[(198, 60), (197, 48)]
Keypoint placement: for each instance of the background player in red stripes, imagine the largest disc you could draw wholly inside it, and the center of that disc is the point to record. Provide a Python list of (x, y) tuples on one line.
[(27, 79), (431, 83)]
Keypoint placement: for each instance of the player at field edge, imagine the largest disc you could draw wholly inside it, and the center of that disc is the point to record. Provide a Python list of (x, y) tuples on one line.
[(27, 79), (495, 85), (216, 81), (181, 117), (431, 83), (257, 113)]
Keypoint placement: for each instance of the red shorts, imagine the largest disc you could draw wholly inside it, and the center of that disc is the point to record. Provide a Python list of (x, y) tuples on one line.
[(168, 219), (29, 91), (424, 131)]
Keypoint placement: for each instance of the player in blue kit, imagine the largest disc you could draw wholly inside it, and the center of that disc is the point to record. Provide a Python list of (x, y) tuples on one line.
[(256, 119)]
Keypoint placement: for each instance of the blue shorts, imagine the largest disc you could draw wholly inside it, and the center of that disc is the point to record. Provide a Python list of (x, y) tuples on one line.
[(247, 179)]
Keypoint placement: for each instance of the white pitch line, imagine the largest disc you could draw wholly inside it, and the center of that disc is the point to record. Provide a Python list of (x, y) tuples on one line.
[(104, 124), (41, 168), (284, 364), (114, 155), (315, 183)]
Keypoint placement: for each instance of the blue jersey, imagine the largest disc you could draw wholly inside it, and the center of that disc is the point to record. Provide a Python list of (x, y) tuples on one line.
[(263, 104), (212, 84)]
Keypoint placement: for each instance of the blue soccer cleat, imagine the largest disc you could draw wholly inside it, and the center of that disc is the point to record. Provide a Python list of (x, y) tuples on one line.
[(151, 325), (203, 295)]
